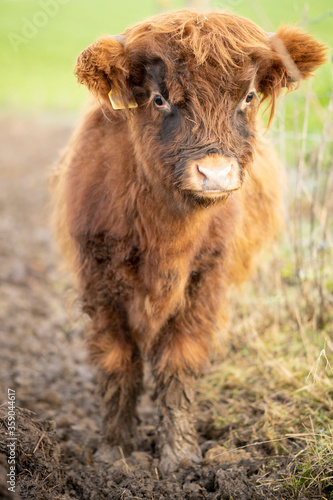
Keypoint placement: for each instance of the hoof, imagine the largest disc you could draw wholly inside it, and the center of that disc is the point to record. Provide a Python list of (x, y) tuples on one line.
[(108, 454), (171, 460), (124, 437)]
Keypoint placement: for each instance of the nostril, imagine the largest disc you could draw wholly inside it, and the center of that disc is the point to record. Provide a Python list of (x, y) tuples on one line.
[(202, 176)]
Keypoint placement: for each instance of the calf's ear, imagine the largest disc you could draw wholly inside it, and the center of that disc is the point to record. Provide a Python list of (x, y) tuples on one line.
[(103, 67), (299, 53), (294, 56)]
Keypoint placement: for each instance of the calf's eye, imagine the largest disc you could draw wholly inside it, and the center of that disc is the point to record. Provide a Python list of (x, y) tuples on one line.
[(249, 97), (158, 100)]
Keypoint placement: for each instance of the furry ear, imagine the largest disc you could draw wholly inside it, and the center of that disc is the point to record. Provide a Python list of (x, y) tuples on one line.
[(294, 56), (104, 66), (304, 52)]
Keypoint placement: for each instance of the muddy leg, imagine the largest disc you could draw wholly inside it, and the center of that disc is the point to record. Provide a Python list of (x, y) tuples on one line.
[(120, 381), (178, 440), (119, 391)]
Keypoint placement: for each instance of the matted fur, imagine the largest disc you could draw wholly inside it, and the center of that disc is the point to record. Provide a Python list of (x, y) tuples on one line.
[(154, 260)]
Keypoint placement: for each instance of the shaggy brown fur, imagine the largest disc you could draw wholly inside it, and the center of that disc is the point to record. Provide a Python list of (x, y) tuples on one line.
[(148, 210)]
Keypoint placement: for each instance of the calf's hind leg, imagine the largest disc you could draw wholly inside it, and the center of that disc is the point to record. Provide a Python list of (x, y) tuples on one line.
[(120, 376)]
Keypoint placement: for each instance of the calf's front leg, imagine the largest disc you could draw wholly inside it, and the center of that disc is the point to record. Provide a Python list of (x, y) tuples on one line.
[(177, 358), (120, 378), (177, 435), (178, 354)]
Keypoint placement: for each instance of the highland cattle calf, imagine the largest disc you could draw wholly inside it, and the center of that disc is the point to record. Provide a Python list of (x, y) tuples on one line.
[(166, 193)]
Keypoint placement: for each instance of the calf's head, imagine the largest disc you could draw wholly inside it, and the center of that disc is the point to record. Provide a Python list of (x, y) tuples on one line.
[(196, 82)]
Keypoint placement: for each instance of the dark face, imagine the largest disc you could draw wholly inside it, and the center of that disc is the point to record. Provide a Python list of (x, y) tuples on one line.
[(194, 131)]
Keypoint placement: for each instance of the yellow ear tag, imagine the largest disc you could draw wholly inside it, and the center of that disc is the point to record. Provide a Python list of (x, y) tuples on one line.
[(117, 102)]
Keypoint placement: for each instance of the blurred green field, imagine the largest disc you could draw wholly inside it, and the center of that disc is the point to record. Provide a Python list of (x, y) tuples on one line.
[(40, 40)]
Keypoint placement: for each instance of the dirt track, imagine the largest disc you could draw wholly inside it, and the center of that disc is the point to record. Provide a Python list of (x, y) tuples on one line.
[(42, 357)]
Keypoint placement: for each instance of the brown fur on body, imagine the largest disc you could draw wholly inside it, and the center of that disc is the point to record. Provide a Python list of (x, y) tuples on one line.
[(153, 256)]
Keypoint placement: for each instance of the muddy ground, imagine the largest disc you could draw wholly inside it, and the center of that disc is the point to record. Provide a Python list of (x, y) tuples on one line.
[(43, 359)]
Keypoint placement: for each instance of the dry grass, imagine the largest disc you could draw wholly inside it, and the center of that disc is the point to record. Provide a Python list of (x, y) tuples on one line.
[(273, 391)]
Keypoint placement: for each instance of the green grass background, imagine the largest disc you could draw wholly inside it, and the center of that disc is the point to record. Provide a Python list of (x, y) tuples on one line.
[(38, 73)]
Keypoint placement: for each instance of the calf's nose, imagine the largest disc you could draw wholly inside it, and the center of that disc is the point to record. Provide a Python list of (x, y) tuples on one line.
[(217, 173), (216, 178)]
